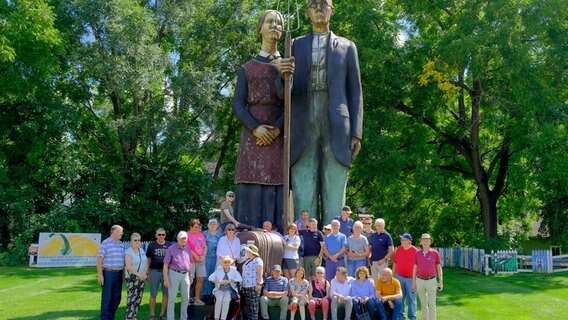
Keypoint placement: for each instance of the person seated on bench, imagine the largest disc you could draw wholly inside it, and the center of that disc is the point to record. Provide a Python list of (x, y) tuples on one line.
[(389, 295), (225, 279), (275, 293), (340, 293), (319, 294)]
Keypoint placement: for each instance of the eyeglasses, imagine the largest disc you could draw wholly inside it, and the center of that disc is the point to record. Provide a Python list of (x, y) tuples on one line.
[(231, 196), (319, 272), (367, 223), (161, 234), (230, 229), (136, 240)]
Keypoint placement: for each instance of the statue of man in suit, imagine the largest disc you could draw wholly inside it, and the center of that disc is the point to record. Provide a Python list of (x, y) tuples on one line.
[(326, 115)]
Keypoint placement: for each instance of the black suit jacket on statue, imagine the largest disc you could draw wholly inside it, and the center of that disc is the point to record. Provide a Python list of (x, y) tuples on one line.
[(345, 109)]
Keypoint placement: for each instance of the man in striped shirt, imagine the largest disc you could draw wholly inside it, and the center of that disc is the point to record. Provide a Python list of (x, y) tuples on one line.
[(110, 262), (275, 293)]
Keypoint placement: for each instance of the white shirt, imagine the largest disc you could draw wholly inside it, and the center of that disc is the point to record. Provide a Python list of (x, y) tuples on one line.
[(343, 289), (228, 248), (289, 253)]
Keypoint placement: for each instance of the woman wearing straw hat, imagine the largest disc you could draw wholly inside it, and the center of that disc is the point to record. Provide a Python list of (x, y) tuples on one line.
[(427, 267), (252, 280), (225, 278)]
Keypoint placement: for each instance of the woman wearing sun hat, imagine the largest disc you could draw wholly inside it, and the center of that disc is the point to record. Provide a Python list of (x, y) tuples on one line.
[(225, 278), (427, 267), (252, 280)]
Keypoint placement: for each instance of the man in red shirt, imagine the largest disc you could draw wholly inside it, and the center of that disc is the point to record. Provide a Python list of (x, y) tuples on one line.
[(426, 267), (403, 264)]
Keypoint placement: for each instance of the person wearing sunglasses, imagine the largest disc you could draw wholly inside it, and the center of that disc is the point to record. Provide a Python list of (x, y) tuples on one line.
[(227, 215), (136, 272), (229, 244), (155, 254)]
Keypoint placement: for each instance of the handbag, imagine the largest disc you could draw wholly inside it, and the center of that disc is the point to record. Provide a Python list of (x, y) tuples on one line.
[(234, 294), (132, 276), (364, 315)]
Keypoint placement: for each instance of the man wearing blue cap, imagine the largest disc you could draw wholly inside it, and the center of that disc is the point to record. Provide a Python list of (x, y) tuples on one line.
[(403, 263)]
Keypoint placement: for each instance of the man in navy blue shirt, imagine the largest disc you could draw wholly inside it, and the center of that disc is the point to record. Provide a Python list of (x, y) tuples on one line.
[(381, 249), (313, 247), (345, 222)]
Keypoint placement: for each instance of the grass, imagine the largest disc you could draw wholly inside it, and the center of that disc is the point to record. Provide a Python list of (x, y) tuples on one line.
[(73, 293)]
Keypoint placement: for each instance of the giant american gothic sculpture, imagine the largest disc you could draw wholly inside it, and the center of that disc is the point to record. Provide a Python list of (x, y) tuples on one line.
[(326, 120)]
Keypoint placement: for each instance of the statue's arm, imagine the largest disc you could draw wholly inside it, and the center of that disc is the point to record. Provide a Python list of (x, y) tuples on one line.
[(240, 98), (355, 98)]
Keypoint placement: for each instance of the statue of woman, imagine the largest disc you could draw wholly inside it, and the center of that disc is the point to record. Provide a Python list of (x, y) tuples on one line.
[(256, 103)]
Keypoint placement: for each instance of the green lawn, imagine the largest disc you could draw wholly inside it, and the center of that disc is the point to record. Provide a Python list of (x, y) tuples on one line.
[(72, 293)]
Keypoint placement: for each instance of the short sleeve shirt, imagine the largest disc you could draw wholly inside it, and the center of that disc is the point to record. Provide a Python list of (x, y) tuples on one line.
[(380, 243), (357, 245), (178, 258), (388, 289), (112, 253), (156, 253), (196, 242), (312, 242), (299, 288), (288, 253), (404, 260), (345, 226), (211, 240), (334, 242), (138, 260), (250, 278), (225, 205), (279, 285), (426, 263)]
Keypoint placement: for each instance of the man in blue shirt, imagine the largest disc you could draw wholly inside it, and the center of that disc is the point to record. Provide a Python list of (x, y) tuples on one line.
[(110, 262), (313, 247), (275, 293), (335, 246), (345, 222), (381, 249)]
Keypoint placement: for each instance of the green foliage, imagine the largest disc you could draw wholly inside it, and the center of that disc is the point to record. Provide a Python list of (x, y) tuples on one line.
[(120, 112)]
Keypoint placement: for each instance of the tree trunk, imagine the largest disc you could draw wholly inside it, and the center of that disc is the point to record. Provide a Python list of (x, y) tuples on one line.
[(488, 205)]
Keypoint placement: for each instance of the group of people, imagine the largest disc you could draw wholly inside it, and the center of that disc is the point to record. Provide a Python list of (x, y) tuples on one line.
[(346, 266)]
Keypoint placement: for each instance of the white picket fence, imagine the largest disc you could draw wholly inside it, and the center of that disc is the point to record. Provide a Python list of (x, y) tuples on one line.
[(502, 261)]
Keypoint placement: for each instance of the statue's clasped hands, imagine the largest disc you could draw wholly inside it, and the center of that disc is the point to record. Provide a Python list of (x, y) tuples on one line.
[(265, 134)]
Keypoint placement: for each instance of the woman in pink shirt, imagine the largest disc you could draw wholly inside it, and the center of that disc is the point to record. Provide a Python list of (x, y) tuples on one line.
[(198, 246), (426, 268)]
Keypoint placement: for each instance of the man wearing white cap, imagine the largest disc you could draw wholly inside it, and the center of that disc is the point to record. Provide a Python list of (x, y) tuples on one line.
[(427, 266), (176, 275)]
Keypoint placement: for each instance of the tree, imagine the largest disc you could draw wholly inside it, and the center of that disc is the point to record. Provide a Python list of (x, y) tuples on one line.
[(31, 117), (468, 81)]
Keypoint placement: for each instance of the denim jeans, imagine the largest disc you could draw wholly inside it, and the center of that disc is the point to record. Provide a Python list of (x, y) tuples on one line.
[(111, 294), (371, 305), (352, 266), (382, 307), (408, 297)]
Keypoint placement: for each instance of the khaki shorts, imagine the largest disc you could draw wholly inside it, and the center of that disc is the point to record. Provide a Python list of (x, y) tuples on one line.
[(197, 270)]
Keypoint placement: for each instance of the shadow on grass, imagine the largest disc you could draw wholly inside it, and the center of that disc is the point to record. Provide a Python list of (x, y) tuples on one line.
[(36, 273), (461, 285), (71, 314)]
